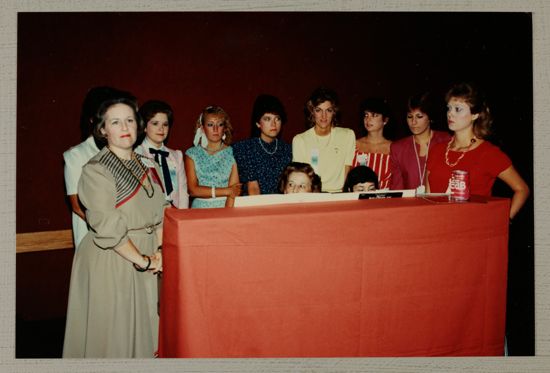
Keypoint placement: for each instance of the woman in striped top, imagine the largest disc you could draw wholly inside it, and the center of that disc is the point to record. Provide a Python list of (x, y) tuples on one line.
[(373, 149), (113, 294)]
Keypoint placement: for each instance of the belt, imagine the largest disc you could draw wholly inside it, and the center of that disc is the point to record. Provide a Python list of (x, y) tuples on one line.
[(148, 229)]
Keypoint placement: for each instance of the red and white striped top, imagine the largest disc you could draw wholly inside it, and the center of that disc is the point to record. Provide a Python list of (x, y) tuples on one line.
[(378, 162)]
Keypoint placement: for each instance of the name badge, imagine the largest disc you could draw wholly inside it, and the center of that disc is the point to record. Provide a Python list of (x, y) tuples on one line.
[(362, 159), (314, 159)]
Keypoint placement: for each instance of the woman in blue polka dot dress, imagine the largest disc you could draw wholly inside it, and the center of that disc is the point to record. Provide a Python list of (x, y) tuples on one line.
[(264, 156), (212, 176)]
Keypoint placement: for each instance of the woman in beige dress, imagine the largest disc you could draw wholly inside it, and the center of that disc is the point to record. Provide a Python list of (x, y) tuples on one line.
[(112, 309)]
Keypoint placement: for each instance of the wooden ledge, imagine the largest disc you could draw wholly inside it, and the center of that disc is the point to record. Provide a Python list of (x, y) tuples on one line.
[(42, 241)]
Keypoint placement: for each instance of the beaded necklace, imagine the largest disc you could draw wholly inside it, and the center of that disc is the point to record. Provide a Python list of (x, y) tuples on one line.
[(472, 141)]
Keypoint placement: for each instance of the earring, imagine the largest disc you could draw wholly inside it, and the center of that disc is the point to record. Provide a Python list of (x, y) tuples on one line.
[(224, 137)]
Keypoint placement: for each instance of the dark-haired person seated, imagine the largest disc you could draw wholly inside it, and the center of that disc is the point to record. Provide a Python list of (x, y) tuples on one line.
[(299, 177), (361, 179)]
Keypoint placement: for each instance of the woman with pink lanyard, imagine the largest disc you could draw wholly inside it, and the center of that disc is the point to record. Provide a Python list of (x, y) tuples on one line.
[(409, 155)]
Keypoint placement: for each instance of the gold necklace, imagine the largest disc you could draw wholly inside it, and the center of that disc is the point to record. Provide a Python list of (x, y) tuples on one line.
[(147, 182), (472, 141)]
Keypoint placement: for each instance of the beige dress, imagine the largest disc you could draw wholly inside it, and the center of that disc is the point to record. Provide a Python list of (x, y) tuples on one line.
[(112, 309)]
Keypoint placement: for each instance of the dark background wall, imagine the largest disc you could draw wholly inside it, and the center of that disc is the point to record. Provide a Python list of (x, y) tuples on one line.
[(194, 59)]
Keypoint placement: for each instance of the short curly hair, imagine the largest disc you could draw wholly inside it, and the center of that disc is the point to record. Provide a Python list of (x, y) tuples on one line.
[(300, 167), (98, 121)]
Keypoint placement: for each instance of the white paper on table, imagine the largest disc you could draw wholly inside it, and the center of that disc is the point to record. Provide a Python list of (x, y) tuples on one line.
[(277, 199)]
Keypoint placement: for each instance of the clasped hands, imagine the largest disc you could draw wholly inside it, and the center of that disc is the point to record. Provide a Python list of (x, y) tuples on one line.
[(153, 264), (156, 263), (235, 190)]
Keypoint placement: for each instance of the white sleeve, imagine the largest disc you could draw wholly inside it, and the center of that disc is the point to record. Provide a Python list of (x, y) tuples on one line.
[(299, 150), (72, 170), (350, 148)]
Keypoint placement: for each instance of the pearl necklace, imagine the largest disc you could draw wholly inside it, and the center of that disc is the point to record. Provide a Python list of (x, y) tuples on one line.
[(472, 141), (265, 150)]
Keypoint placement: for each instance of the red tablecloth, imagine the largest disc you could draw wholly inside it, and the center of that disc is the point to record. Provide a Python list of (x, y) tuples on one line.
[(392, 277)]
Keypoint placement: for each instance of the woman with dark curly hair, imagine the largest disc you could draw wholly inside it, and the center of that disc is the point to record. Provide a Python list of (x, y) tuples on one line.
[(299, 177), (469, 118)]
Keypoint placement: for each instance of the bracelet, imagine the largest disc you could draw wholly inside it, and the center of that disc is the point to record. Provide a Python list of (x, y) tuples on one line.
[(213, 191), (140, 269)]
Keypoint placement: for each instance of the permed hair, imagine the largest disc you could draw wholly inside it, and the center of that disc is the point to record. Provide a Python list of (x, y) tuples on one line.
[(300, 167), (99, 119), (93, 99), (152, 107)]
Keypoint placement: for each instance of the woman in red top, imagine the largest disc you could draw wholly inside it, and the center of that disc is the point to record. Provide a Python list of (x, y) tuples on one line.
[(373, 149), (469, 118)]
